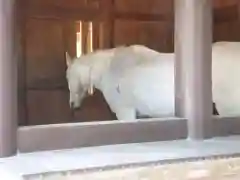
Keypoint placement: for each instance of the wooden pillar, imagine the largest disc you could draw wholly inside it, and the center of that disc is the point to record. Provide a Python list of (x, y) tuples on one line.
[(179, 54), (193, 47), (8, 81)]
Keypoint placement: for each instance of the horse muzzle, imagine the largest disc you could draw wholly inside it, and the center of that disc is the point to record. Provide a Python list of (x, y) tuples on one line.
[(73, 106)]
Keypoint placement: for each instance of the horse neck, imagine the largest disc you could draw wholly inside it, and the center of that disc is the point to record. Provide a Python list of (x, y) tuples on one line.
[(99, 68)]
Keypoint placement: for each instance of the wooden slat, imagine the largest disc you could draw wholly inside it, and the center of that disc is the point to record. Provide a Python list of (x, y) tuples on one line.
[(45, 53), (107, 24), (143, 6), (63, 13), (143, 16), (222, 14), (106, 11), (68, 4), (144, 32), (70, 37), (84, 37), (20, 32), (48, 107), (96, 35)]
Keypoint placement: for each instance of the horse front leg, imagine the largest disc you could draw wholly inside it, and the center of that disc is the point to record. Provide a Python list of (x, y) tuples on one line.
[(126, 114)]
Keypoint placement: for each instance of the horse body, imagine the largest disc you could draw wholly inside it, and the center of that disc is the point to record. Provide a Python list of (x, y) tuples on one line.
[(146, 85), (225, 74), (138, 80)]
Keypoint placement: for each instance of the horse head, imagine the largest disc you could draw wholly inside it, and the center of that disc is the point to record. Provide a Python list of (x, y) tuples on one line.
[(78, 75)]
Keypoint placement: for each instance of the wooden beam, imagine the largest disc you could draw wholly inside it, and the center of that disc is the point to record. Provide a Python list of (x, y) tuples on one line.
[(8, 81), (106, 12), (143, 16), (75, 135), (54, 12), (72, 135), (84, 31), (20, 31)]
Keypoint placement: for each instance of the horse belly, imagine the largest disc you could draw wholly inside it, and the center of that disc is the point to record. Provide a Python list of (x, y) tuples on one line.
[(155, 102), (151, 90)]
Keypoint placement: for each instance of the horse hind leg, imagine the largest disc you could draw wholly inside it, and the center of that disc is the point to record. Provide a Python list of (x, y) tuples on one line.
[(126, 114), (215, 111), (140, 116)]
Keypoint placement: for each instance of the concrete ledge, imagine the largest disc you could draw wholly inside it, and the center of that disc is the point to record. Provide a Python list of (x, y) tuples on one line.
[(92, 161), (219, 169), (74, 135)]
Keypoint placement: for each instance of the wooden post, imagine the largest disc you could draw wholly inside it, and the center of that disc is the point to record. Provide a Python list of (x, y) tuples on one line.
[(193, 47), (179, 55), (8, 81)]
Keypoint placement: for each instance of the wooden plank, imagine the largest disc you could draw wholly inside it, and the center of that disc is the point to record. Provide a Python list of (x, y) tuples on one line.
[(226, 31), (66, 136), (224, 3), (107, 24), (68, 4), (20, 32), (96, 35), (143, 16), (85, 37), (48, 107), (63, 13), (143, 6), (69, 37), (226, 14), (56, 13), (144, 32), (45, 63), (45, 68), (153, 10)]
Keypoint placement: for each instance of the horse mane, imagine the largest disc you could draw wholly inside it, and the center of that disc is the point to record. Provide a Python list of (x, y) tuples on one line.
[(107, 49)]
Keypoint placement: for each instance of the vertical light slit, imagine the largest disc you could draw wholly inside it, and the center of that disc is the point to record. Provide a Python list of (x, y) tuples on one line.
[(79, 43), (90, 37), (79, 40)]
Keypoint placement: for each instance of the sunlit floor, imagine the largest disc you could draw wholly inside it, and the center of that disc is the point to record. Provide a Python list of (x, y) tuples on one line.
[(114, 155)]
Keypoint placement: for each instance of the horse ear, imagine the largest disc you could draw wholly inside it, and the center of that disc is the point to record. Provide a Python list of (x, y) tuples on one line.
[(68, 59)]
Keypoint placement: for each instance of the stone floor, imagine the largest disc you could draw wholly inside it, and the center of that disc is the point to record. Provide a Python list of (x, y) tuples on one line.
[(115, 155)]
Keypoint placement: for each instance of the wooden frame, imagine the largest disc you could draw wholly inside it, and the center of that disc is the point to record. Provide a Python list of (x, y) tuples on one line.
[(52, 137)]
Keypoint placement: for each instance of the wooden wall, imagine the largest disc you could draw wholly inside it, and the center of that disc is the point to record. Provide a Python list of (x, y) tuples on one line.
[(47, 28), (226, 20)]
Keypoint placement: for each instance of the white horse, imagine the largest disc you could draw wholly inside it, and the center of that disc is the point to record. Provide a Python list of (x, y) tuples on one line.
[(138, 80)]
